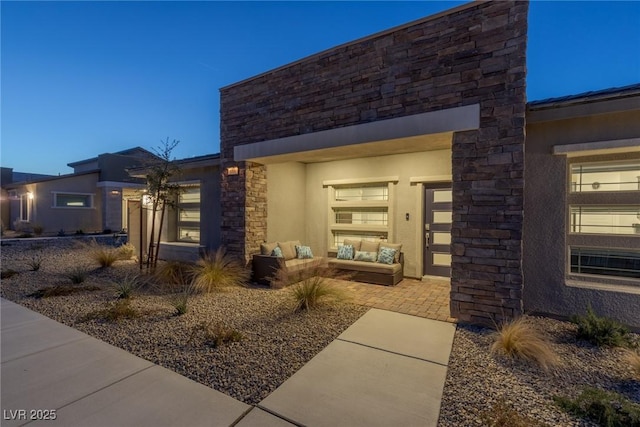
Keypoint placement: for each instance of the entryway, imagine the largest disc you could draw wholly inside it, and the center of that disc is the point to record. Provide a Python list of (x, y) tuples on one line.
[(437, 230)]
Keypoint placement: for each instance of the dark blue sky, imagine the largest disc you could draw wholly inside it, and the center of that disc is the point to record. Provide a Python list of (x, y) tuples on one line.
[(83, 78)]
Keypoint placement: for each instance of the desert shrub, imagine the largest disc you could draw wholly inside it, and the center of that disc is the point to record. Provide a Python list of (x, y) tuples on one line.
[(218, 270), (77, 275), (215, 334), (520, 339), (25, 235), (38, 229), (314, 291), (126, 251), (61, 290), (5, 274), (606, 408), (115, 311), (503, 415), (633, 359), (175, 274), (126, 287), (180, 300), (602, 331), (104, 255), (35, 262)]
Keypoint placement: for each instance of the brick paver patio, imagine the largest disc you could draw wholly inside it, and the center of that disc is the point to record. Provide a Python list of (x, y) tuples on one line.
[(428, 298)]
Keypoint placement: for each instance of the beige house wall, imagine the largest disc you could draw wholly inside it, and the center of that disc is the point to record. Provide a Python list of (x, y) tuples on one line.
[(298, 201)]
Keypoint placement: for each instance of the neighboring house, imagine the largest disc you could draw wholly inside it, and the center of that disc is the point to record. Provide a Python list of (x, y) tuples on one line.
[(190, 228), (421, 135), (91, 199)]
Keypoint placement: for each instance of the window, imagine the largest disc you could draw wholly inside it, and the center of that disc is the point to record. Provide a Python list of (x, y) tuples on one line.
[(189, 215), (604, 219), (359, 211), (72, 200), (26, 203)]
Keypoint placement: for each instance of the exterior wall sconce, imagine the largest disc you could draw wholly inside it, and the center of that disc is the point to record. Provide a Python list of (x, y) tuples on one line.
[(146, 200), (30, 195), (115, 192), (232, 170)]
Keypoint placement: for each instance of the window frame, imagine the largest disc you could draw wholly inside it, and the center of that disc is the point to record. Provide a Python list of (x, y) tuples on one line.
[(54, 200), (26, 204), (188, 206)]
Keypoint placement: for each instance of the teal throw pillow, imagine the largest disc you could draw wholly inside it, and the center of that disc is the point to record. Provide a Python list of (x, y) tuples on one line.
[(386, 255), (277, 252), (365, 256), (345, 252), (304, 252)]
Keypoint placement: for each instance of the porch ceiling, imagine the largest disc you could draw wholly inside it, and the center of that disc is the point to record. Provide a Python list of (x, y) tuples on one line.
[(413, 144)]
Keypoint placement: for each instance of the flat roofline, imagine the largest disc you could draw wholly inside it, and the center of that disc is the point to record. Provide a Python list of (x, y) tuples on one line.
[(360, 40), (51, 178)]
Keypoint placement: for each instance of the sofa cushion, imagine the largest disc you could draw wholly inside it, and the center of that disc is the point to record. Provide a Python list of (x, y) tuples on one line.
[(345, 252), (289, 248), (386, 255), (277, 252), (354, 243), (267, 248), (303, 252), (369, 246), (396, 246), (365, 256), (371, 267)]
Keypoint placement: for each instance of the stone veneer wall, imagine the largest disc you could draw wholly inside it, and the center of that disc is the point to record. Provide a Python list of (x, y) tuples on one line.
[(473, 54)]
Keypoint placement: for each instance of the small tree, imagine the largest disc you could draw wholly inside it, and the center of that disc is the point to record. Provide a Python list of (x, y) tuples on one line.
[(163, 194)]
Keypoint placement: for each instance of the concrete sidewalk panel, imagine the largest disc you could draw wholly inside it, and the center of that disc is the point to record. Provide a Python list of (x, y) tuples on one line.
[(35, 336), (403, 334), (155, 397), (58, 376), (12, 314), (259, 418), (348, 384)]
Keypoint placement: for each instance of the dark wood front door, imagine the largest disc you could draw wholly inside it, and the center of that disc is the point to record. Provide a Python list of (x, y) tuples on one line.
[(437, 231)]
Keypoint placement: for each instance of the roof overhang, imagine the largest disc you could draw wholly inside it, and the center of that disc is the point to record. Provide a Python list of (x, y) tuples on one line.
[(408, 134)]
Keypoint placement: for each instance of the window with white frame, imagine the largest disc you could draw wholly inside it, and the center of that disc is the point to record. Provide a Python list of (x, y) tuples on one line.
[(189, 214), (359, 211), (26, 203), (604, 219), (72, 200)]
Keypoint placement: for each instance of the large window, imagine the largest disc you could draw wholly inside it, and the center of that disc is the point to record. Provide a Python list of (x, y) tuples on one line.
[(72, 200), (359, 211), (26, 202), (604, 219), (189, 215)]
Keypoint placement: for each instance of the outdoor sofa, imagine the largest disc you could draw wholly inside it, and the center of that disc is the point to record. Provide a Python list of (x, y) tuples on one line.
[(367, 261), (286, 255)]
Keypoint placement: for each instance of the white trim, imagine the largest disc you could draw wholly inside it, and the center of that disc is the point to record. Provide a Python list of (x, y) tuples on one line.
[(432, 178), (375, 180), (598, 147), (612, 286), (449, 120)]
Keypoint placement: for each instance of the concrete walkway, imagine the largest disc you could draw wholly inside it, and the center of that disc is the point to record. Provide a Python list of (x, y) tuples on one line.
[(386, 369)]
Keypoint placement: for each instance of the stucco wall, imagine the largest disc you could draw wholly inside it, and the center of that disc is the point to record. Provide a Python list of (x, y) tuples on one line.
[(545, 251), (298, 200)]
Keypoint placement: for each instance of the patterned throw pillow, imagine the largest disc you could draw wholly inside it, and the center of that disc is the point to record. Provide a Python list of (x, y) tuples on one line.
[(303, 252), (365, 256), (345, 252), (386, 255), (277, 252)]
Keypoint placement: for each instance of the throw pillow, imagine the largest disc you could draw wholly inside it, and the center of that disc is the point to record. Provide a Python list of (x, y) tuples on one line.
[(288, 249), (386, 255), (396, 246), (369, 246), (303, 252), (345, 252), (365, 256), (267, 248), (354, 243), (277, 252)]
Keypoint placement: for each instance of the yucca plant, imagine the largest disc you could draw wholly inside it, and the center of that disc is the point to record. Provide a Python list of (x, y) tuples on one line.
[(36, 262), (77, 275), (520, 339), (218, 270), (127, 286)]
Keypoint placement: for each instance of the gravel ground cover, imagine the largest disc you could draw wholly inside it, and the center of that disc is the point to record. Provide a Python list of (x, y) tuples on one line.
[(277, 342)]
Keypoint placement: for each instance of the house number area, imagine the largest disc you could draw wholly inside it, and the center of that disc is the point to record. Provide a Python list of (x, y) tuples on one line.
[(29, 414)]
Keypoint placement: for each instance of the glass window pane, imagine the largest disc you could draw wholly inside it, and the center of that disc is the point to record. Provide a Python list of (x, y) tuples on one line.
[(191, 215), (339, 236), (361, 193), (442, 217), (441, 259), (73, 200), (189, 234), (442, 196), (605, 219), (377, 216), (190, 195), (605, 177), (441, 238), (607, 262)]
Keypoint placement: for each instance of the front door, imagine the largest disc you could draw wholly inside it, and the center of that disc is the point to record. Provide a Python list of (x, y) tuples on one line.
[(437, 230)]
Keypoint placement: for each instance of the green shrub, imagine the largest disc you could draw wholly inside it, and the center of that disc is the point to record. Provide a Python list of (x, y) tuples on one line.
[(61, 290), (77, 275), (127, 286), (35, 262), (503, 415), (606, 408), (602, 331), (5, 274), (180, 301), (520, 339), (215, 334), (175, 274), (218, 270)]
